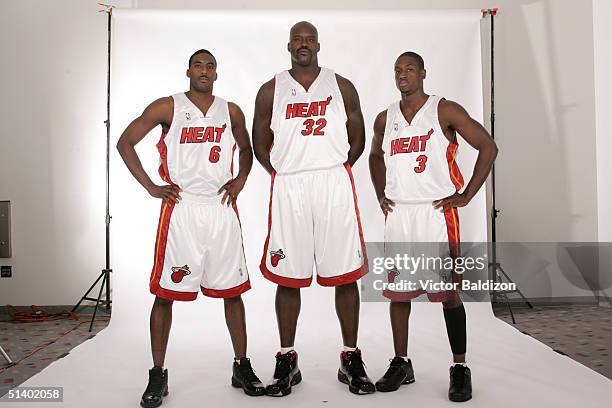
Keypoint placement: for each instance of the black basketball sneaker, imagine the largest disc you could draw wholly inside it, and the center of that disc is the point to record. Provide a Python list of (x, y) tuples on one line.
[(157, 388), (244, 377), (399, 372), (286, 374), (460, 388), (352, 373)]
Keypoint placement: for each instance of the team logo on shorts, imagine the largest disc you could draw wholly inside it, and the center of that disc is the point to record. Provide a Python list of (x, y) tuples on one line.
[(391, 275), (179, 272), (276, 256)]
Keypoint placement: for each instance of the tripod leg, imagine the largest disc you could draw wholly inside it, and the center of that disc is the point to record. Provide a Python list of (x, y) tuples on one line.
[(517, 289), (6, 356), (87, 293), (97, 302), (510, 309)]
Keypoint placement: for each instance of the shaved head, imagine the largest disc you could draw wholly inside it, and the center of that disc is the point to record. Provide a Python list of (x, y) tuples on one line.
[(303, 44), (303, 26)]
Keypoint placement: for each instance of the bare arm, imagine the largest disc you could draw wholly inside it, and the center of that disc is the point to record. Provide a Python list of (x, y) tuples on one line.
[(378, 170), (354, 122), (157, 113), (263, 137), (234, 186), (453, 117)]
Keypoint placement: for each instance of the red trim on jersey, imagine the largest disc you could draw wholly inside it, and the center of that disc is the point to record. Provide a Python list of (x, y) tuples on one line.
[(160, 255), (163, 154), (453, 169), (227, 293), (347, 166), (232, 163)]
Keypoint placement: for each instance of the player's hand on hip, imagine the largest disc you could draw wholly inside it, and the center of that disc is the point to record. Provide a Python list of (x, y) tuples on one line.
[(455, 200), (231, 189), (386, 205), (168, 193)]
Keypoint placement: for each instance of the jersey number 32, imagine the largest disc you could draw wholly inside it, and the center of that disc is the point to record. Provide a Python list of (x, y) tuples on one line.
[(314, 128)]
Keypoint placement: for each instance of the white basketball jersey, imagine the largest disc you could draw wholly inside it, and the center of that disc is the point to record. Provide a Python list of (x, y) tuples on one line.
[(197, 152), (420, 160), (309, 127)]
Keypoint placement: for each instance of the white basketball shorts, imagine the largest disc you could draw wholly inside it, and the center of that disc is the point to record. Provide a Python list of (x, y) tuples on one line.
[(415, 228), (314, 219), (198, 247)]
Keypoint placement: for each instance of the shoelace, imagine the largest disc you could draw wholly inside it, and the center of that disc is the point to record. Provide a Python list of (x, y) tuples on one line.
[(355, 365), (156, 382), (458, 376), (283, 365), (247, 372), (393, 367)]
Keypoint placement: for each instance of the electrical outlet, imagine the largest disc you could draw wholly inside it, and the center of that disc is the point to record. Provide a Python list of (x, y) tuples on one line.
[(6, 271)]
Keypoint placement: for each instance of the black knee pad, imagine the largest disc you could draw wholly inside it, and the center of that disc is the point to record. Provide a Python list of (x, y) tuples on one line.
[(455, 328)]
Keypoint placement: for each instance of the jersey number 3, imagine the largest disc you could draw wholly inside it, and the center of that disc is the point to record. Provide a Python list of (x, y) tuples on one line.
[(422, 159), (314, 128)]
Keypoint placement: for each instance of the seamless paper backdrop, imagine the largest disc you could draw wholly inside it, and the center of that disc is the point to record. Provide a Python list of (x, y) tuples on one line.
[(149, 59)]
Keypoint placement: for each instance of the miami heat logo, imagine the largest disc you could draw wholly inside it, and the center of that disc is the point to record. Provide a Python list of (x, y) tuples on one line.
[(276, 256), (391, 275), (179, 272)]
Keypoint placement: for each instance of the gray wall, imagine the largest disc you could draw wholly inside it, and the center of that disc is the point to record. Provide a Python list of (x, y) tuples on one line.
[(52, 137), (602, 30)]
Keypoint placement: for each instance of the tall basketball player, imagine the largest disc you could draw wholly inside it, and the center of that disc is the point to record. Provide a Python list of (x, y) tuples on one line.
[(308, 132), (199, 240), (417, 182)]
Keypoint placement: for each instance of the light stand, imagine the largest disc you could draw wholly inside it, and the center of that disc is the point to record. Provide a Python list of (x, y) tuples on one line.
[(106, 272), (6, 357), (496, 270)]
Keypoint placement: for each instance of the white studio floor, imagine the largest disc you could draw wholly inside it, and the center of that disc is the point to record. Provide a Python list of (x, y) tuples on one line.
[(509, 369)]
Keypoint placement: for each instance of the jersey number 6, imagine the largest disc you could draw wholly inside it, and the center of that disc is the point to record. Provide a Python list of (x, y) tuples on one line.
[(213, 157), (310, 127)]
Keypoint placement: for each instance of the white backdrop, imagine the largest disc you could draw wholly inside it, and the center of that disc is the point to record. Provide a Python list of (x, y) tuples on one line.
[(150, 53)]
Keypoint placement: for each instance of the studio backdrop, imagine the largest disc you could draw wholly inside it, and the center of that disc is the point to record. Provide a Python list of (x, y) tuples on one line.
[(150, 51)]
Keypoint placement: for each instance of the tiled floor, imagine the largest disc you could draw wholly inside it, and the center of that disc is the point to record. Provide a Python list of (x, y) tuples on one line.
[(33, 346), (583, 333)]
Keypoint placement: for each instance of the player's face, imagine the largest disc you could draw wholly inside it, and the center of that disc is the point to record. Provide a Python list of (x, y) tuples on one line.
[(408, 75), (303, 45), (202, 73)]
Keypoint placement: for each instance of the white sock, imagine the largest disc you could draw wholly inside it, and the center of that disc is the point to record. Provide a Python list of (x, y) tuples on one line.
[(463, 364), (347, 348), (285, 350), (405, 358)]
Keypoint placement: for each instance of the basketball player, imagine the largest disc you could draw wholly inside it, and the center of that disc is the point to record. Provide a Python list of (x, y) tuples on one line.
[(308, 132), (199, 241), (417, 182)]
